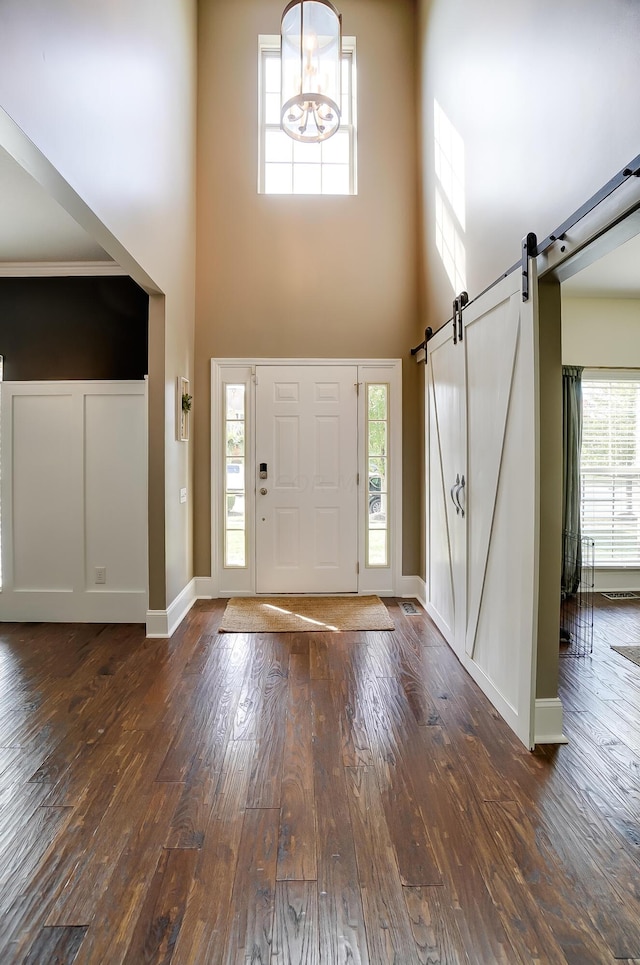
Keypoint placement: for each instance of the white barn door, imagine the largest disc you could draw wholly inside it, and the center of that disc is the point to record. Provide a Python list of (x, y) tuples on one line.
[(446, 467), (307, 506), (500, 339), (482, 420)]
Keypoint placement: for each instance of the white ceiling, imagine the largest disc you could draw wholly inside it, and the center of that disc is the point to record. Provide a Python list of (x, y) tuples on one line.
[(33, 227), (615, 275)]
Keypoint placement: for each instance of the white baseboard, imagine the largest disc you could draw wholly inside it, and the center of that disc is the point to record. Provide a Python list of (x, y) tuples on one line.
[(206, 588), (161, 624), (413, 586), (408, 586), (548, 721), (88, 606), (616, 581)]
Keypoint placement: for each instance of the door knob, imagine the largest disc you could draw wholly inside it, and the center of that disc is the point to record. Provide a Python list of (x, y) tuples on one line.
[(263, 492)]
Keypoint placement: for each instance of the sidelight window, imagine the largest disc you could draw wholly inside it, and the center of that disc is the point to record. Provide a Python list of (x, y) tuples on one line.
[(377, 436), (235, 534)]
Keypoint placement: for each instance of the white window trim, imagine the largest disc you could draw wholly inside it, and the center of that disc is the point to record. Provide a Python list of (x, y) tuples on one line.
[(226, 582), (610, 375), (271, 42)]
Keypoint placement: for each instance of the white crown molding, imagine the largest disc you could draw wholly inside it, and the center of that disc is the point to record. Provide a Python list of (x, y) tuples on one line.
[(45, 269)]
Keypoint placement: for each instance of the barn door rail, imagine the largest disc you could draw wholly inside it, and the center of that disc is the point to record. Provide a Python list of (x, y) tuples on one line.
[(531, 249)]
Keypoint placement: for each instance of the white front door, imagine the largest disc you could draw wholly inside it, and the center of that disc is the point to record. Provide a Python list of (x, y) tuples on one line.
[(307, 504)]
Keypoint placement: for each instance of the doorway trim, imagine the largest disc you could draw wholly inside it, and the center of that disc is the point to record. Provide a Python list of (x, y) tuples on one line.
[(238, 581)]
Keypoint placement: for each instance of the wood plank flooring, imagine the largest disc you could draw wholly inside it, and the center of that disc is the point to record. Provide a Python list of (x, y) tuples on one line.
[(316, 798)]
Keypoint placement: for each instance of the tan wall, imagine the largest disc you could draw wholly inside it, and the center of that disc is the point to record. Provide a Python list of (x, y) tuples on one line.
[(550, 573), (106, 92), (306, 276), (601, 332)]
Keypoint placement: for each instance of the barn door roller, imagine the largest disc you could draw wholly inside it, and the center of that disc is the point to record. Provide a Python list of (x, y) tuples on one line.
[(529, 250), (458, 304)]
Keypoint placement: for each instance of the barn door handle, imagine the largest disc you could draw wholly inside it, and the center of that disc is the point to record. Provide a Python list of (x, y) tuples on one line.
[(455, 486), (459, 489)]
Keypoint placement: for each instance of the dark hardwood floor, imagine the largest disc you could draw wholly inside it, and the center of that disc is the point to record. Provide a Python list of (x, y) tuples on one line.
[(309, 798)]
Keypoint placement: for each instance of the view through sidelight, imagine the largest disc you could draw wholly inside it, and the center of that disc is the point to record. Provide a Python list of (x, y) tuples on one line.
[(378, 474), (235, 531)]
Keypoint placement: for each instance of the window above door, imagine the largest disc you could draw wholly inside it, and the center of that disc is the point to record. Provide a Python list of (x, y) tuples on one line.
[(286, 166)]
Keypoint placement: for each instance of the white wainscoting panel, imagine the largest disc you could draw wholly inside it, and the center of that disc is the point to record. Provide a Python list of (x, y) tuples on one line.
[(45, 485), (115, 491), (74, 502)]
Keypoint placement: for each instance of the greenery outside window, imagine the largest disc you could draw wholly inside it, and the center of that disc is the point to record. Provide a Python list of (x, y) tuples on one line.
[(377, 437)]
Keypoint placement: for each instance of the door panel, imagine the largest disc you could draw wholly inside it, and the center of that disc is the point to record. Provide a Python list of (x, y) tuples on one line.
[(286, 453), (490, 345), (482, 570), (306, 432), (446, 463), (502, 499)]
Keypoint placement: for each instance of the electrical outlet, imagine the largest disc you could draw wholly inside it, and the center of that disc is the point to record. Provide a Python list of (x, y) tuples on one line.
[(183, 495), (101, 574)]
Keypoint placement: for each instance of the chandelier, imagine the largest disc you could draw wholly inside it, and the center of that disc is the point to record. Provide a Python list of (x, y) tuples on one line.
[(310, 49)]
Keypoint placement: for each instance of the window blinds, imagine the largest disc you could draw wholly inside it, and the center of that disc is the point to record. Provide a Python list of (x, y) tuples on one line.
[(610, 469)]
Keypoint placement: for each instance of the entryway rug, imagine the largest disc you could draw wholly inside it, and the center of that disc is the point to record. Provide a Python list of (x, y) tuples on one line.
[(631, 653), (282, 613)]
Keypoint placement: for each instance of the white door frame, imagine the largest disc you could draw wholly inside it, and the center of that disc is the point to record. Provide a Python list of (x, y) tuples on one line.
[(238, 581)]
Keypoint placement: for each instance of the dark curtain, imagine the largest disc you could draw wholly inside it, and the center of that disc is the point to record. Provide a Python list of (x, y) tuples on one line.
[(571, 446)]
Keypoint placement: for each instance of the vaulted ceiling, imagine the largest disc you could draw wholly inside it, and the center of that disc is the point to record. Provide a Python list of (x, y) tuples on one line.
[(34, 227)]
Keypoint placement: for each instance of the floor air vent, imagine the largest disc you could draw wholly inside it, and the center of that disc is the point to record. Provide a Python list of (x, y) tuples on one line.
[(621, 596), (409, 608)]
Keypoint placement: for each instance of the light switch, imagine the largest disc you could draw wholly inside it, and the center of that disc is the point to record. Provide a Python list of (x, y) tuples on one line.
[(183, 495)]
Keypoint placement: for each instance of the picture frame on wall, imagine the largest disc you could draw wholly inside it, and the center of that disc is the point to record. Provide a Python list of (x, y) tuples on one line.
[(183, 409)]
